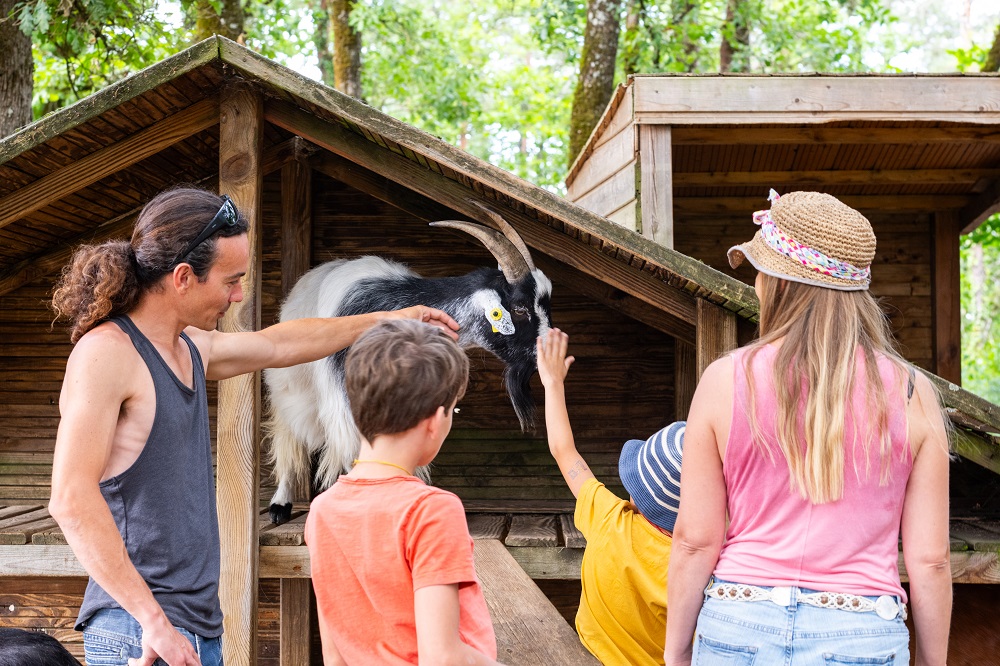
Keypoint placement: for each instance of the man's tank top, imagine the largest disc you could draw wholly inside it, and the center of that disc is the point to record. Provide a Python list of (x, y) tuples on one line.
[(777, 538), (164, 504)]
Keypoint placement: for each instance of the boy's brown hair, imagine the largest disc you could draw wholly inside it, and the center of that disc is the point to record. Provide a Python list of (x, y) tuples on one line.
[(399, 372)]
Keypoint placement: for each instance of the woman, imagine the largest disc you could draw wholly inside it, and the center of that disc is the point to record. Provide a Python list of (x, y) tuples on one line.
[(823, 445)]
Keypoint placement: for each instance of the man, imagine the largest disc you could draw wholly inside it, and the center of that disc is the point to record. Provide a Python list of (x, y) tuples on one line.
[(132, 484)]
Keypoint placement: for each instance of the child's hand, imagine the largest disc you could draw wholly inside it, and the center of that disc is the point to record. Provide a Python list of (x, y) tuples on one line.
[(553, 364)]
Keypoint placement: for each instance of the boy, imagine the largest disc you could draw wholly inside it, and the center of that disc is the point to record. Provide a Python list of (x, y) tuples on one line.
[(623, 607), (391, 556)]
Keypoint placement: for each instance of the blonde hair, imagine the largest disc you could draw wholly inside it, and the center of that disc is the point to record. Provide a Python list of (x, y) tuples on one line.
[(822, 331)]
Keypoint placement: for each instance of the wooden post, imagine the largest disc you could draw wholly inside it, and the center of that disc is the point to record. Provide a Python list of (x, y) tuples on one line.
[(656, 185), (296, 255), (296, 218), (946, 288), (715, 335), (295, 618), (685, 377), (240, 176)]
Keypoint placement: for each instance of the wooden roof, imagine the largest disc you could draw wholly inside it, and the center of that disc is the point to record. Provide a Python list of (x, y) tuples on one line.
[(83, 173), (894, 142)]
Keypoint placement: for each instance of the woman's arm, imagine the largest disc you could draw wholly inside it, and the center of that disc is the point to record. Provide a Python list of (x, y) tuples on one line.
[(701, 523), (926, 549)]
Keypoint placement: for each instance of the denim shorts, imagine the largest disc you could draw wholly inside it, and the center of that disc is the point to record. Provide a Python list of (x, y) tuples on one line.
[(112, 636), (743, 633)]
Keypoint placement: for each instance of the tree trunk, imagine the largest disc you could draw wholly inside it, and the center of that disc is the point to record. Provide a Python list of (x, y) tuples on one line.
[(346, 49), (18, 70), (734, 52), (633, 16), (597, 72), (323, 39), (992, 63), (228, 22)]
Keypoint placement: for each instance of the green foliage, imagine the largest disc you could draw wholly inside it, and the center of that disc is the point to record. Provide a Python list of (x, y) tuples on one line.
[(84, 45), (980, 259)]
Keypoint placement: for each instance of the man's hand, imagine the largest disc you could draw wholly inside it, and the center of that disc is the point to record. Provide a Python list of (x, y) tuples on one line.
[(432, 316), (553, 364), (166, 643)]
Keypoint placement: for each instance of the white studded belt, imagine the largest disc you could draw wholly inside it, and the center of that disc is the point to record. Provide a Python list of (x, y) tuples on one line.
[(886, 606)]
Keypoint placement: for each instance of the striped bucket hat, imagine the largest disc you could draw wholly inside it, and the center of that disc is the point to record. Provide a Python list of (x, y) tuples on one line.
[(651, 473)]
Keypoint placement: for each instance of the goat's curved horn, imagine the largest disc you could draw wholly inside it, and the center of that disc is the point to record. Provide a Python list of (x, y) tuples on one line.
[(511, 262), (508, 231)]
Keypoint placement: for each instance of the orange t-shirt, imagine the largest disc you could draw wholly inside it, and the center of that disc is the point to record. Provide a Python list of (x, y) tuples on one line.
[(372, 543)]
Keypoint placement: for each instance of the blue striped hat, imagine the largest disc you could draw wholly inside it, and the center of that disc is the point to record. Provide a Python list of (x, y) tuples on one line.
[(651, 472)]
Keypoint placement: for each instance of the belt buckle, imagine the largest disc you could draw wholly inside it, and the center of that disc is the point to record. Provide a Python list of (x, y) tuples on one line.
[(781, 596), (886, 607)]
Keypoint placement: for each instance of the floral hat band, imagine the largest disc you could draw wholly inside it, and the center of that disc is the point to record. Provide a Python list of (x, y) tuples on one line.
[(813, 238), (809, 257)]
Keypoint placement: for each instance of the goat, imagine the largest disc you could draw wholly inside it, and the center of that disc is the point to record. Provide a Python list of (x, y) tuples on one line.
[(500, 310), (19, 647)]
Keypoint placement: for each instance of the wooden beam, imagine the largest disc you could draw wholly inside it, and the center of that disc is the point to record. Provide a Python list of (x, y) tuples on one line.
[(435, 186), (685, 378), (816, 99), (981, 207), (715, 206), (106, 161), (946, 290), (716, 334), (296, 220), (655, 180), (820, 134), (52, 261), (239, 404), (295, 638), (833, 177), (528, 627)]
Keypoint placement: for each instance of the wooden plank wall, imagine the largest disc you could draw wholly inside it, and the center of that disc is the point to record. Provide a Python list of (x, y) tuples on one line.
[(901, 273), (606, 182), (620, 387)]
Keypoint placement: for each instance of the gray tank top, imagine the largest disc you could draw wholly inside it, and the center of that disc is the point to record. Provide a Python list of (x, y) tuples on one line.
[(164, 504)]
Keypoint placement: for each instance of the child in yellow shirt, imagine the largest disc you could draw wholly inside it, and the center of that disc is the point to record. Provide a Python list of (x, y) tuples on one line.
[(623, 607)]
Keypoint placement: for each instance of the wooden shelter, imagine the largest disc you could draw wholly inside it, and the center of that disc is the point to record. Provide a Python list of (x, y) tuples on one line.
[(321, 175), (685, 160)]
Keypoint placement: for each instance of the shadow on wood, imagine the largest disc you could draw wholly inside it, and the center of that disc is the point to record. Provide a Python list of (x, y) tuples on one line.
[(530, 631)]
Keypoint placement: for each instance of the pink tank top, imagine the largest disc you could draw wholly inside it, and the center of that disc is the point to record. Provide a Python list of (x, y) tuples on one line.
[(777, 538)]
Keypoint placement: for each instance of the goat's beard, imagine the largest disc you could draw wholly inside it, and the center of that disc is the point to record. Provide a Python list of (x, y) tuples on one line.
[(517, 380)]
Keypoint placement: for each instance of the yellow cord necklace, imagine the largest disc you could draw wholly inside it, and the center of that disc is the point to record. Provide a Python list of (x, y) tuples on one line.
[(383, 462)]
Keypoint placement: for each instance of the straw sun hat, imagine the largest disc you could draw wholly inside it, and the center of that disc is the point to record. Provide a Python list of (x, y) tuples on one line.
[(813, 238)]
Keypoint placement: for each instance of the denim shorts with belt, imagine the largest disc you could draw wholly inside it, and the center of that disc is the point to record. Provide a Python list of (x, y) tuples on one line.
[(743, 625), (111, 636)]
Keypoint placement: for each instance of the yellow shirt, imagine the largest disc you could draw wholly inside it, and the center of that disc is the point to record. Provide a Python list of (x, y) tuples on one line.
[(623, 608)]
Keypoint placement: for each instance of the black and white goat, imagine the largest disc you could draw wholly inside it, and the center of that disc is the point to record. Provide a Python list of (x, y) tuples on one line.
[(501, 310), (19, 647)]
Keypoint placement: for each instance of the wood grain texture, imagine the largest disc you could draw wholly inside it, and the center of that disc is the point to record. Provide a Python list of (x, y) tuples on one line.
[(529, 629), (532, 530), (716, 334), (655, 184), (107, 161), (295, 619), (947, 308), (240, 176), (296, 221), (572, 537)]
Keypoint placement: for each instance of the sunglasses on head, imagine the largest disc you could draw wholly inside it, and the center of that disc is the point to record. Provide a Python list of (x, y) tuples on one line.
[(226, 217)]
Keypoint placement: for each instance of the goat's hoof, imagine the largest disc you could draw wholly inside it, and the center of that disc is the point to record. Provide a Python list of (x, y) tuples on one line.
[(280, 513)]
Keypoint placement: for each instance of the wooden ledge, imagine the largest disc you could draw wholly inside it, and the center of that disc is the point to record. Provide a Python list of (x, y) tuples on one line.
[(546, 545)]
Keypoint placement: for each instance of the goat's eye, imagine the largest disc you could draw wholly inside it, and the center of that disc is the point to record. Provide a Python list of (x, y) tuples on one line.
[(520, 311)]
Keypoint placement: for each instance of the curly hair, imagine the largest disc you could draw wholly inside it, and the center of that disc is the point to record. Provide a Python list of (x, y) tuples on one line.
[(107, 280)]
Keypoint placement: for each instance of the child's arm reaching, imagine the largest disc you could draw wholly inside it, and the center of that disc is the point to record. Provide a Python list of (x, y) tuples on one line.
[(553, 364)]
